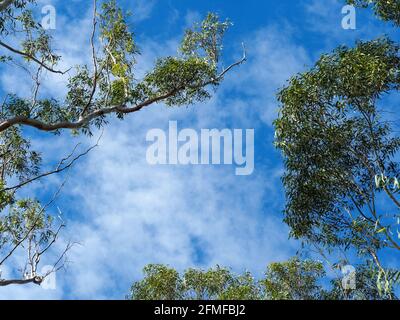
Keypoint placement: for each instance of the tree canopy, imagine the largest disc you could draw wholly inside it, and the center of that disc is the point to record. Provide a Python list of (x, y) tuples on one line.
[(340, 148), (388, 10), (295, 279)]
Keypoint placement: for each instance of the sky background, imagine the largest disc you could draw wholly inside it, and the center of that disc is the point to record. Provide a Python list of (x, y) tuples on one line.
[(125, 213)]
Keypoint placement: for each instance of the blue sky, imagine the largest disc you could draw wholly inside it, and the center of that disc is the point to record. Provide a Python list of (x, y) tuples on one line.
[(126, 213)]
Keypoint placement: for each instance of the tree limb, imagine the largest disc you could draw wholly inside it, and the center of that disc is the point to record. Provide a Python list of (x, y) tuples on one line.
[(60, 168), (27, 55), (36, 280), (123, 109)]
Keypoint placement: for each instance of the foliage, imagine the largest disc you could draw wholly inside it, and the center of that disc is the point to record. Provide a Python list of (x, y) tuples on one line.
[(7, 16), (160, 283), (368, 284), (17, 160), (334, 143), (294, 280), (25, 215), (109, 86), (163, 283), (219, 284), (27, 223), (205, 40), (340, 151), (388, 10)]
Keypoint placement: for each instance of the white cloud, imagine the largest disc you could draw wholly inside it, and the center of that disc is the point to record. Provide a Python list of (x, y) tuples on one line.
[(324, 18), (140, 9), (273, 58), (141, 214)]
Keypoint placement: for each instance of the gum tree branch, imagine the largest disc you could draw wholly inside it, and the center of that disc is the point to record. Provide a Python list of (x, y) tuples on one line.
[(94, 59), (36, 280), (34, 224), (123, 109), (28, 56), (60, 167)]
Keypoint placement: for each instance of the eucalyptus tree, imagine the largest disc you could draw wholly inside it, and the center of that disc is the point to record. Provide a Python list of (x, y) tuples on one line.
[(107, 87), (295, 279), (161, 282), (368, 286), (341, 149), (388, 10)]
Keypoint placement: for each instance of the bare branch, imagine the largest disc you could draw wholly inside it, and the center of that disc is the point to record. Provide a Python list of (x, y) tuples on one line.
[(60, 167), (55, 236), (35, 253), (34, 225), (235, 64), (27, 55), (62, 258)]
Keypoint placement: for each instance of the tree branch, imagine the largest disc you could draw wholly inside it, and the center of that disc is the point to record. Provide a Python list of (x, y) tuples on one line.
[(27, 55), (36, 280), (32, 228), (94, 59), (85, 119), (22, 120), (60, 167)]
